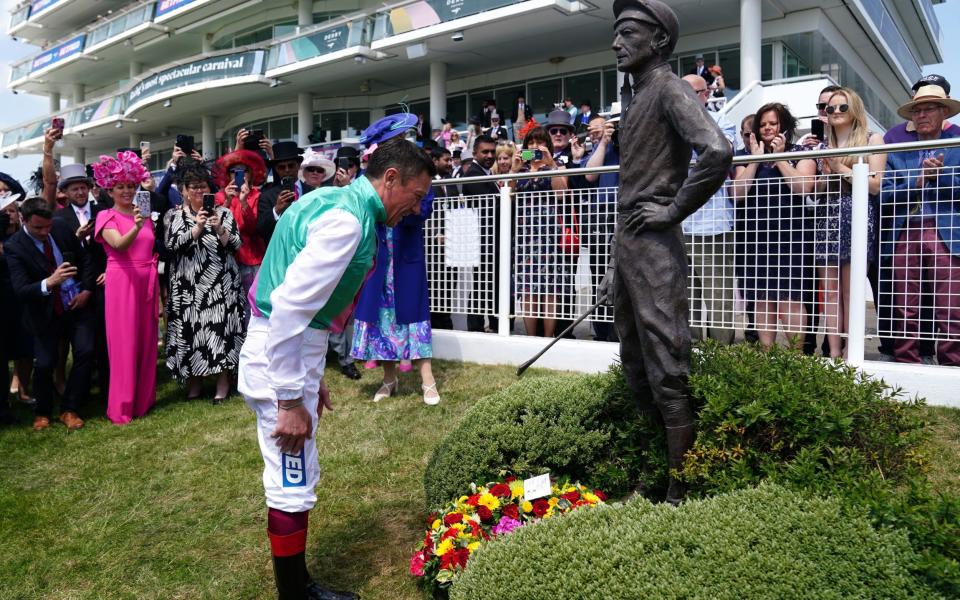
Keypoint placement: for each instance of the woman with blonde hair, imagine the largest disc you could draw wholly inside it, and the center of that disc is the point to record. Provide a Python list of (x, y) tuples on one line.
[(504, 153), (847, 119)]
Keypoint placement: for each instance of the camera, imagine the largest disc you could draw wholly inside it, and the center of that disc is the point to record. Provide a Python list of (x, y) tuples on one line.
[(457, 36), (528, 155), (185, 143), (252, 141), (208, 203), (343, 163), (286, 184)]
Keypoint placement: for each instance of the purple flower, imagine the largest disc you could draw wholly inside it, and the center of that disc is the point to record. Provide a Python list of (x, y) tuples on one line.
[(506, 525)]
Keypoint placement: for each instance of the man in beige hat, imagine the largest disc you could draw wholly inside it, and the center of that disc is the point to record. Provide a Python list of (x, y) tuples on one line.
[(919, 198)]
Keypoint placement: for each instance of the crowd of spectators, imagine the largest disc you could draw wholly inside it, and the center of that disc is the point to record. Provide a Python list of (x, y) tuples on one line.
[(102, 263)]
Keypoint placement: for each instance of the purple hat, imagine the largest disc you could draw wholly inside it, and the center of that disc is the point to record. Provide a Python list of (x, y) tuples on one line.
[(388, 127)]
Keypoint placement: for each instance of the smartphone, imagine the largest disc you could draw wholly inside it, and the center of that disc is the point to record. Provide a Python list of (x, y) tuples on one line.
[(57, 123), (144, 147), (528, 155), (252, 141), (287, 184), (142, 200), (208, 203), (185, 143), (816, 128), (68, 257), (238, 176), (343, 163)]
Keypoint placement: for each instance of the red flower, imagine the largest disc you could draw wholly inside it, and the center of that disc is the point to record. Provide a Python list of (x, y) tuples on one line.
[(501, 489), (511, 510), (600, 495), (571, 497), (510, 479), (485, 515), (428, 542), (540, 507), (452, 518), (455, 558), (473, 500), (452, 532)]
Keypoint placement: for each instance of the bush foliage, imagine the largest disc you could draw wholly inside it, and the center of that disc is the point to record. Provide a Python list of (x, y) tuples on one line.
[(578, 426), (765, 542)]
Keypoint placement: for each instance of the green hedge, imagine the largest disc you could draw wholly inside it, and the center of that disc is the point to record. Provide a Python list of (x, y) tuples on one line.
[(582, 427), (766, 542)]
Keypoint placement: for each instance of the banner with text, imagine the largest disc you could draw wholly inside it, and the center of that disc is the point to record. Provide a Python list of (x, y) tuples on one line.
[(216, 68), (38, 6), (165, 7), (58, 53), (317, 43)]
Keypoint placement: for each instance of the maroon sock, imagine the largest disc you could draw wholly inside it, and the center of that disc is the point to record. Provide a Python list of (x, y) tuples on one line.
[(287, 532)]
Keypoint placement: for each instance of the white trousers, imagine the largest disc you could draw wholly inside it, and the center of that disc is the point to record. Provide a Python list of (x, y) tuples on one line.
[(289, 480)]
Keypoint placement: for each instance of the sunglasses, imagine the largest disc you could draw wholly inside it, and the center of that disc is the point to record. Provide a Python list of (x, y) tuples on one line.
[(821, 105), (313, 170), (842, 108), (557, 131)]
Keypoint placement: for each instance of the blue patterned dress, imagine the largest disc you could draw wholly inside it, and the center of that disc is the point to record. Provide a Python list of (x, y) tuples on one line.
[(387, 339)]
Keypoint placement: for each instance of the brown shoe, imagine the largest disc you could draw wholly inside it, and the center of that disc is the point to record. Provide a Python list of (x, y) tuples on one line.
[(71, 420), (40, 423)]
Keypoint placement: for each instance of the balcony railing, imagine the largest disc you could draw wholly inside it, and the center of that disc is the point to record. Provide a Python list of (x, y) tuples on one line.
[(320, 41), (119, 24), (769, 261), (19, 16), (417, 14)]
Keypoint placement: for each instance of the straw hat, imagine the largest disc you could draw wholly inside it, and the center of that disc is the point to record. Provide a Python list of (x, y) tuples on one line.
[(930, 94)]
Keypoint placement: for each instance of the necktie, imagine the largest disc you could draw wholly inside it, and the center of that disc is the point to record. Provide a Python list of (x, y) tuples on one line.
[(51, 267)]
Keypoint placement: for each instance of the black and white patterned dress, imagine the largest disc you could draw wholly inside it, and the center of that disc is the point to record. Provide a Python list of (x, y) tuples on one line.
[(205, 303)]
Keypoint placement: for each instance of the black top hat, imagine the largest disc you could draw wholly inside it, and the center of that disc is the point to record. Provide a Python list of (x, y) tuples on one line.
[(558, 118), (349, 152), (287, 151)]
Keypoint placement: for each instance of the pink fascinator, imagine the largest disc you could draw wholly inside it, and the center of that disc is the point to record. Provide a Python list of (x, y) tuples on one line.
[(125, 168)]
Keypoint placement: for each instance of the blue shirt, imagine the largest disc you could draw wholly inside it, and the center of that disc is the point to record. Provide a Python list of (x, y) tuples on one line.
[(716, 216)]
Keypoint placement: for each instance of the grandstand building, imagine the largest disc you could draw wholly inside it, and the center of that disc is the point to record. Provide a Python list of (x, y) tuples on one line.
[(120, 71)]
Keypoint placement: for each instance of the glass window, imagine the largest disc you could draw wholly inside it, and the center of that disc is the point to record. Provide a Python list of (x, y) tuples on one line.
[(359, 120), (506, 98), (730, 64), (544, 95), (583, 88), (766, 62), (281, 129), (333, 123), (457, 110), (476, 101), (610, 92)]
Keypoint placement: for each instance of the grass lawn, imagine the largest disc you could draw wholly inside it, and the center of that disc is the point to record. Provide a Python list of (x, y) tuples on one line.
[(171, 506)]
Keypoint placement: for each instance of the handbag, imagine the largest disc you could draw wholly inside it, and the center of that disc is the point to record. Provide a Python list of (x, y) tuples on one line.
[(570, 235)]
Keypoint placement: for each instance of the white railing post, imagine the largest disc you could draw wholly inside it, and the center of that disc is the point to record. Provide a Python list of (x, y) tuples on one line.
[(859, 240), (506, 250)]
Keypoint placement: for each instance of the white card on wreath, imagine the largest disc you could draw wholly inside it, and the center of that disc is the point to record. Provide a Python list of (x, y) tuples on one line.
[(536, 487)]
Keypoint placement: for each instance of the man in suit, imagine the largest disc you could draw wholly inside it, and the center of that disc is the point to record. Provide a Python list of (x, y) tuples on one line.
[(81, 215), (54, 278), (700, 68), (497, 131), (278, 195), (521, 110), (484, 156)]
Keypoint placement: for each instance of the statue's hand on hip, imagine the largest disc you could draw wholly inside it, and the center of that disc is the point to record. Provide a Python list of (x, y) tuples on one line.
[(651, 217)]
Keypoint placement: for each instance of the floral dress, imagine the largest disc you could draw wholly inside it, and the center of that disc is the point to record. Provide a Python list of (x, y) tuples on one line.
[(537, 238), (833, 221), (205, 304), (387, 339)]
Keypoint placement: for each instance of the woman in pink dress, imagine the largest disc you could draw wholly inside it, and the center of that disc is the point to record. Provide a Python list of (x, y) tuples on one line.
[(131, 289)]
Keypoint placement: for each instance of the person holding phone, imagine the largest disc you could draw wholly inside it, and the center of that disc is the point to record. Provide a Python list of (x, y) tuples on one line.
[(775, 240), (277, 196), (205, 303), (539, 276), (131, 290), (239, 176), (55, 293), (832, 230)]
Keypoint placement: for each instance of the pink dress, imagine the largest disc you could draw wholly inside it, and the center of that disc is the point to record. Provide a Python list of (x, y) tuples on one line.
[(131, 300)]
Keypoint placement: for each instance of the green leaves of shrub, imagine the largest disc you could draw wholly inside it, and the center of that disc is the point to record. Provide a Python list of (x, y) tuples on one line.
[(766, 542)]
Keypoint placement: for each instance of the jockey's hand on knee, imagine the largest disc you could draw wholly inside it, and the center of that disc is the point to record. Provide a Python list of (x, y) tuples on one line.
[(294, 426)]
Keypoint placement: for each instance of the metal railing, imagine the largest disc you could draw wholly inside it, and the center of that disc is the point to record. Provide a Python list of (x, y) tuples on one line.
[(775, 259)]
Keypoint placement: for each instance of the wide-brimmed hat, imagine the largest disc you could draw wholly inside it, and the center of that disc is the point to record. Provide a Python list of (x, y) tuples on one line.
[(930, 94), (558, 117), (316, 159), (8, 198), (248, 159), (286, 151), (388, 127), (75, 173)]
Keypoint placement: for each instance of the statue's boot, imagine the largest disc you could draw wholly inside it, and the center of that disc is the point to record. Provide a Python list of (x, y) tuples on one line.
[(679, 440)]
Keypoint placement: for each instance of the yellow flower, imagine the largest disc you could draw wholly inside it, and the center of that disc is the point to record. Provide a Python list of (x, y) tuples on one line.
[(490, 501), (435, 525), (527, 506), (444, 547), (568, 488), (516, 489), (458, 526), (591, 497), (552, 502), (473, 546)]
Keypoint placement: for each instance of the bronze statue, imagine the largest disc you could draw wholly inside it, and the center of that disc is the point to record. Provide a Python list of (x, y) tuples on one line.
[(647, 278)]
